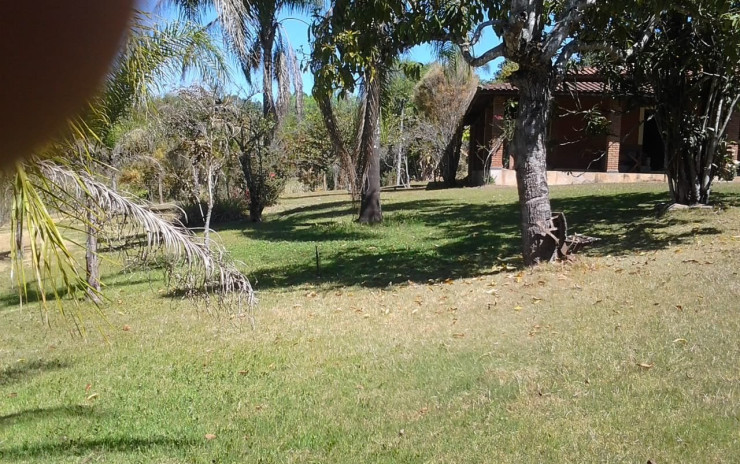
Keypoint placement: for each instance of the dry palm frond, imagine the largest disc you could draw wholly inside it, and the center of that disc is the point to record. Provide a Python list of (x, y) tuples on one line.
[(205, 270)]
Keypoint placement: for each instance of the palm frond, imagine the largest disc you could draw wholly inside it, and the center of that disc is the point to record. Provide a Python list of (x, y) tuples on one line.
[(207, 268), (51, 261), (152, 55)]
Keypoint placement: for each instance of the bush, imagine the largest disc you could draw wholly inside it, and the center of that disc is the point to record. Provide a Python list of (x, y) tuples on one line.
[(225, 210)]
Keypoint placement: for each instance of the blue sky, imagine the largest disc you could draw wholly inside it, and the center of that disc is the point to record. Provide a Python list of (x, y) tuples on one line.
[(296, 27)]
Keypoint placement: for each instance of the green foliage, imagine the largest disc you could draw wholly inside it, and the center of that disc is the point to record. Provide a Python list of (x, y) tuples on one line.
[(356, 36), (225, 211), (310, 152), (505, 70), (690, 65)]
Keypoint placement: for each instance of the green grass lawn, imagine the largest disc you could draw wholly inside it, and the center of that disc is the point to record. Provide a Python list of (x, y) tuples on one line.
[(421, 340)]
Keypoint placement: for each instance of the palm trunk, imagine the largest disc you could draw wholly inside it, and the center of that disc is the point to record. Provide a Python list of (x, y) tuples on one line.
[(530, 152), (268, 102), (370, 212)]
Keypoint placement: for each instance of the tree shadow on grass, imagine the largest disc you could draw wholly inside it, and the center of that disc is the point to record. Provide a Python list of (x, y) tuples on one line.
[(20, 371), (79, 447), (45, 414), (466, 240)]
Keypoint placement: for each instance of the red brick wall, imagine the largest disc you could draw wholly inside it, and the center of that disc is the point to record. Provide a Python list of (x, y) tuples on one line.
[(733, 134), (569, 147), (630, 133), (497, 119), (613, 140)]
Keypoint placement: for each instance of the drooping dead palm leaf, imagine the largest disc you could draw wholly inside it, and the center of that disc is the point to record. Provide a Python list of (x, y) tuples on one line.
[(48, 183)]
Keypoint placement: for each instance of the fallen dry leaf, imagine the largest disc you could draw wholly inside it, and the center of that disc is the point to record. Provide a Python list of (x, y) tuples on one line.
[(210, 436), (646, 366), (126, 328)]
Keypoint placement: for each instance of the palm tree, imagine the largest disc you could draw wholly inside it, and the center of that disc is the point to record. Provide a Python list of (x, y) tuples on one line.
[(62, 179), (252, 31)]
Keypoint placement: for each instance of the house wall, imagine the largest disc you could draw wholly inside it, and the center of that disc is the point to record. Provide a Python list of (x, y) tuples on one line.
[(630, 135), (477, 150), (733, 135), (570, 147)]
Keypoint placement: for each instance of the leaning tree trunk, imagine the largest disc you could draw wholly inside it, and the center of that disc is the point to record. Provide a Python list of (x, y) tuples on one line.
[(530, 154), (370, 212)]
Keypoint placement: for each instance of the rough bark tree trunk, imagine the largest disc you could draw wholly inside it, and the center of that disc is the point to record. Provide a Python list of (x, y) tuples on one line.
[(451, 158), (530, 153), (370, 212)]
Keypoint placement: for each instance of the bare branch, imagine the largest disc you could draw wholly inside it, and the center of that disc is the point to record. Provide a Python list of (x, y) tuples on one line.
[(490, 55)]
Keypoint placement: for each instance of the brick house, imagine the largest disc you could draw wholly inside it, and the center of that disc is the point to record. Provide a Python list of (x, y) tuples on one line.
[(625, 147)]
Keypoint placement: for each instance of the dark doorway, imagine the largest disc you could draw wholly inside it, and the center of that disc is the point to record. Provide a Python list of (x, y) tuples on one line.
[(652, 143)]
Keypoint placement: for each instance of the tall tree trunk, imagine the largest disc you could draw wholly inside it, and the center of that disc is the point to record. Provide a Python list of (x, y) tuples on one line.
[(159, 187), (370, 212), (209, 210), (399, 158), (92, 260), (530, 153), (267, 41), (451, 158)]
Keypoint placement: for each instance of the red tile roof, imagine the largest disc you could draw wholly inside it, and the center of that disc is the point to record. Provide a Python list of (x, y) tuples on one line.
[(587, 80)]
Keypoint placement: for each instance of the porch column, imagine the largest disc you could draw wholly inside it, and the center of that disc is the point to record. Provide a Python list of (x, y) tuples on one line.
[(613, 139), (733, 135), (496, 142)]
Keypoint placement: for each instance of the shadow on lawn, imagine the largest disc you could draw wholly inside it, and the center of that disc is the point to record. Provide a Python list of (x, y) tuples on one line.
[(44, 414), (78, 447), (21, 371), (468, 239)]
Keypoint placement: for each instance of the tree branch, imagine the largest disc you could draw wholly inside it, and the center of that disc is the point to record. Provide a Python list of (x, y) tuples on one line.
[(490, 55), (564, 26), (614, 53)]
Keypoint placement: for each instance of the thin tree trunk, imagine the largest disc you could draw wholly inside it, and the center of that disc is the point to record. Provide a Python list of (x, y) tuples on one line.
[(209, 211), (268, 101), (159, 187), (530, 153), (92, 260), (347, 171), (400, 152), (370, 211)]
